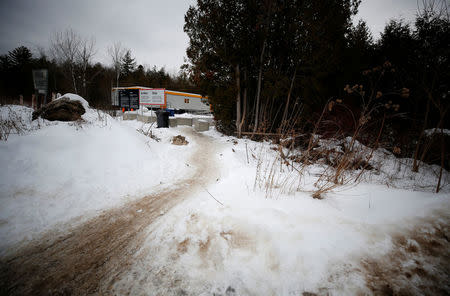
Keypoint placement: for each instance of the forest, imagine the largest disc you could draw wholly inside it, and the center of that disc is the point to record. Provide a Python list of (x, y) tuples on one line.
[(70, 65), (292, 68)]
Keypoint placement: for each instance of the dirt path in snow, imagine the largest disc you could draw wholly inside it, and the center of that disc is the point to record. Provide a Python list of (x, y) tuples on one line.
[(86, 259), (419, 263)]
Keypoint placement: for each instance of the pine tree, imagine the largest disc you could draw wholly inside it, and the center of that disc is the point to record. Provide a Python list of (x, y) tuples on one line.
[(20, 56), (271, 51), (128, 64)]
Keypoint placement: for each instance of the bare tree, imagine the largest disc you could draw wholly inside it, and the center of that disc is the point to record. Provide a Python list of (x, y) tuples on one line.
[(438, 8), (258, 90), (238, 100), (65, 47), (75, 54), (85, 54), (116, 51)]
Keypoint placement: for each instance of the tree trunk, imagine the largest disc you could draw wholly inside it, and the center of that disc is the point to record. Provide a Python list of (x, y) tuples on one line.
[(429, 143), (72, 70), (238, 100), (286, 108), (84, 83), (258, 92), (244, 113), (415, 167), (438, 187)]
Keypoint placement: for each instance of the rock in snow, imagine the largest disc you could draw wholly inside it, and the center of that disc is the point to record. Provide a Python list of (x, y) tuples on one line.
[(62, 109), (179, 140)]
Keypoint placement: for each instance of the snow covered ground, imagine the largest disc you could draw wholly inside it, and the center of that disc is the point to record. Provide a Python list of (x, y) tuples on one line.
[(229, 237), (61, 171), (283, 245)]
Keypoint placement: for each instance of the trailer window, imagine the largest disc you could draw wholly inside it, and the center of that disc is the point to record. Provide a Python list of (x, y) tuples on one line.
[(186, 101)]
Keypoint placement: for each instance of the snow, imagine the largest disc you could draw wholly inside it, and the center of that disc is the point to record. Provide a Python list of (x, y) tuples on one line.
[(437, 131), (190, 115), (74, 97), (230, 234), (284, 245), (148, 112), (16, 120), (64, 171), (90, 115)]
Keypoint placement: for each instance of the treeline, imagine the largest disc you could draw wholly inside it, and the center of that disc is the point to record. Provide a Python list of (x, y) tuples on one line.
[(279, 65), (70, 65)]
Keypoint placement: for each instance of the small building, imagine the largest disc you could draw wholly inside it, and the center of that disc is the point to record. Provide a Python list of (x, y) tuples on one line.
[(136, 97)]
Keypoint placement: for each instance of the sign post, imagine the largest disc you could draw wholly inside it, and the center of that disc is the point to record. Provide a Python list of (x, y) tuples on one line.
[(152, 97), (40, 79)]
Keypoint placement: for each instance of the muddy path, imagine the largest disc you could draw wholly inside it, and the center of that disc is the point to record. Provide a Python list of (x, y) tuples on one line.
[(418, 264), (81, 260)]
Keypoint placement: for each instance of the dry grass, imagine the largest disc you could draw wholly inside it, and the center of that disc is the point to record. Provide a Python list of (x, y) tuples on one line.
[(342, 165)]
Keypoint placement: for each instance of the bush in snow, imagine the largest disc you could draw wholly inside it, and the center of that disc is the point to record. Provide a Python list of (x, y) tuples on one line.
[(13, 120)]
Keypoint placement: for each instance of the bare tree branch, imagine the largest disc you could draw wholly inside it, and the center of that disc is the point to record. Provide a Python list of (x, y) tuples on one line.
[(116, 52)]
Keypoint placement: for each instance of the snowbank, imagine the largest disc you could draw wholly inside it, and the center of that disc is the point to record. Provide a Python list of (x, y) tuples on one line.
[(60, 171)]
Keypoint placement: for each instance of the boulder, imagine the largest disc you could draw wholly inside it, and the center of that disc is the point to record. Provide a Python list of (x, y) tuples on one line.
[(179, 140), (62, 109)]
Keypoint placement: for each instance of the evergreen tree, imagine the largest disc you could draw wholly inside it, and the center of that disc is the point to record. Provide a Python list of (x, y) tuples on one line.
[(267, 51), (20, 56), (128, 64)]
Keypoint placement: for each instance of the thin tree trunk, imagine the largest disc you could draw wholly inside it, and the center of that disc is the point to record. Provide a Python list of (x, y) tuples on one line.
[(84, 83), (238, 100), (286, 108), (73, 79), (438, 187), (415, 167), (244, 113), (429, 143), (258, 92)]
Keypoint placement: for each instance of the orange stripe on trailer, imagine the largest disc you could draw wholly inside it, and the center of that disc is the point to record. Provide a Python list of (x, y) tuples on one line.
[(182, 94), (165, 99)]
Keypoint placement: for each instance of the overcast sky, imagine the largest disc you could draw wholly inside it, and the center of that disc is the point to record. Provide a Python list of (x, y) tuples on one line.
[(153, 29)]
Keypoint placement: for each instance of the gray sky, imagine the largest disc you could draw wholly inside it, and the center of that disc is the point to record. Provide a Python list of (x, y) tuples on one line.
[(153, 29), (378, 12)]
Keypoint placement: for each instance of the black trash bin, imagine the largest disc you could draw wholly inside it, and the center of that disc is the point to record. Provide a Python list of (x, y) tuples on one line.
[(162, 118)]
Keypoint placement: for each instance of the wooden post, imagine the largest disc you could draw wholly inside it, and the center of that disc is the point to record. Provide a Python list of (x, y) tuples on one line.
[(33, 101), (21, 99)]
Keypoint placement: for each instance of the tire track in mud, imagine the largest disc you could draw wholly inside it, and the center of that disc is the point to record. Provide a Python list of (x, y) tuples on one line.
[(87, 257), (419, 263)]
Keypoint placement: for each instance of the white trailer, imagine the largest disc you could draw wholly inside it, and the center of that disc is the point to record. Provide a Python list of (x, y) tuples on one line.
[(187, 101), (159, 98)]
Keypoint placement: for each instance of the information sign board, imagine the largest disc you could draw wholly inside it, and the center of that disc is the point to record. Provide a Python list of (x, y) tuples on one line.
[(129, 98), (152, 97), (40, 79)]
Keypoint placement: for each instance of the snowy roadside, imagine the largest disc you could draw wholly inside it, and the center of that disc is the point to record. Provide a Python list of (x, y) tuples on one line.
[(283, 245), (58, 172)]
